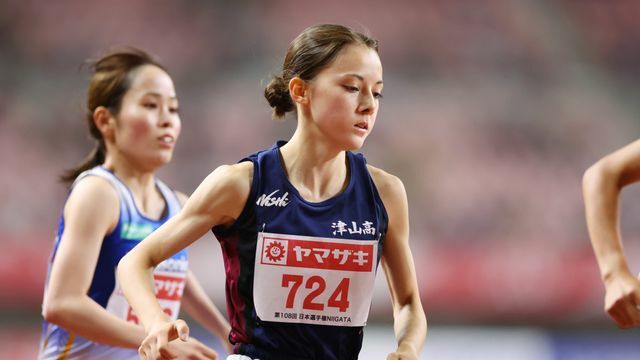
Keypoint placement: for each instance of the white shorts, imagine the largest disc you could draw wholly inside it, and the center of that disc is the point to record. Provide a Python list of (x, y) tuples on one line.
[(239, 357)]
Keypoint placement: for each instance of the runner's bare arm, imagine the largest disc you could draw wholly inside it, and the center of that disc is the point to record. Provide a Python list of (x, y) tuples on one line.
[(218, 200), (66, 302), (602, 184), (199, 306), (410, 323)]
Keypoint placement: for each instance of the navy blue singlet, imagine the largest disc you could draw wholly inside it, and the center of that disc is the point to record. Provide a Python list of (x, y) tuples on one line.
[(300, 274)]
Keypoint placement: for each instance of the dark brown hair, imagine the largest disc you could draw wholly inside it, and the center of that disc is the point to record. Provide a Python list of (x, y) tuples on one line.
[(315, 48), (110, 80)]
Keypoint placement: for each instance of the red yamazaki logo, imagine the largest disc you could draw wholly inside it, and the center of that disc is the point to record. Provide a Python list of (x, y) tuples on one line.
[(329, 255)]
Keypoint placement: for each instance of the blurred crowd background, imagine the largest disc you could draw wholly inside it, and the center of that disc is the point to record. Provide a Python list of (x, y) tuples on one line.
[(492, 111)]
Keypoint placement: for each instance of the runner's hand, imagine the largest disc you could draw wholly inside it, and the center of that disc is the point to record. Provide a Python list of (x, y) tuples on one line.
[(622, 300), (402, 355), (156, 345), (192, 349)]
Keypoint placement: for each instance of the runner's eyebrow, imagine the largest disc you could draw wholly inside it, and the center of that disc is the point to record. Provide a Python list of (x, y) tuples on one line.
[(361, 78), (157, 94)]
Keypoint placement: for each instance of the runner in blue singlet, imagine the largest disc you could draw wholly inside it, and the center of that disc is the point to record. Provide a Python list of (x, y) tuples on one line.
[(114, 202)]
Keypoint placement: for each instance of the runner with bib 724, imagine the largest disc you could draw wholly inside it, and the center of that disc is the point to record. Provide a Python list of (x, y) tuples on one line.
[(304, 224)]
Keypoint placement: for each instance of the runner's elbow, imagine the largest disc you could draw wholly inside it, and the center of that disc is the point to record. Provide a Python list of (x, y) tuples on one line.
[(53, 309)]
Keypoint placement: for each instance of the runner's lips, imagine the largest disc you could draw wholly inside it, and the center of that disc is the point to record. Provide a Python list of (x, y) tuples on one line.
[(362, 125), (166, 139)]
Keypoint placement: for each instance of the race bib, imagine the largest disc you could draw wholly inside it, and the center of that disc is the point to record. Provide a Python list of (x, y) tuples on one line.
[(313, 280), (169, 287)]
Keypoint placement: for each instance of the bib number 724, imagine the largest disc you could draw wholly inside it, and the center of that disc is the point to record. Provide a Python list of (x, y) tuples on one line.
[(339, 297)]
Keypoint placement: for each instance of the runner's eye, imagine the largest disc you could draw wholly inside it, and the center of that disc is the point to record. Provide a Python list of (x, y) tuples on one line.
[(351, 88)]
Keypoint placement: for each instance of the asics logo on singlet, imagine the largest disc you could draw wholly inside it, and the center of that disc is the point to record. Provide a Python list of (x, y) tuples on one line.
[(273, 200)]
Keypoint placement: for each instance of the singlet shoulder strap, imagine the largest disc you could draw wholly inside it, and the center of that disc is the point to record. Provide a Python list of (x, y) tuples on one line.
[(358, 161), (126, 199)]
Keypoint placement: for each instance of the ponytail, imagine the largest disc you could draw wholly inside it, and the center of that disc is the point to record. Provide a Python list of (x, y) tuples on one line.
[(96, 157)]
